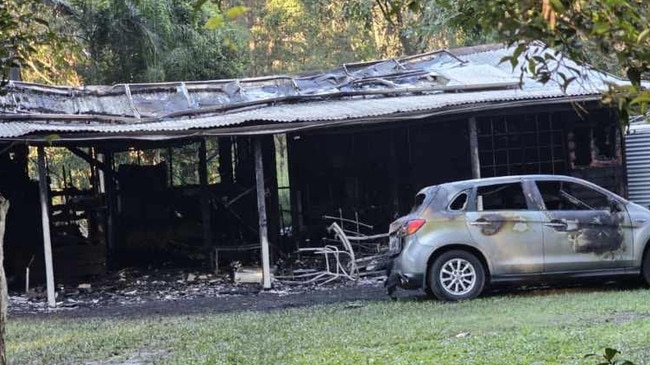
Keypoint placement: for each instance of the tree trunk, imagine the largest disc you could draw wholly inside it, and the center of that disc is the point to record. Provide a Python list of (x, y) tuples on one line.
[(4, 298)]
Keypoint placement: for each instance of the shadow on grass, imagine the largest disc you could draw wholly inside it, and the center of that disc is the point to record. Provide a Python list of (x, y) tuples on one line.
[(537, 290)]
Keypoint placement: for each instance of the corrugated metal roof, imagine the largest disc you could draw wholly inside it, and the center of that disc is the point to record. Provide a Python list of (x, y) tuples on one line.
[(437, 81), (637, 156)]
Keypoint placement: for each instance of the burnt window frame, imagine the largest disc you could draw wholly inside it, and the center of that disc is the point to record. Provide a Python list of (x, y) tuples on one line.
[(473, 203), (523, 143), (609, 197)]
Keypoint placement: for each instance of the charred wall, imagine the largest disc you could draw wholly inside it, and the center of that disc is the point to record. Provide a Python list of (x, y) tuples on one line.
[(375, 172), (23, 238), (585, 144), (163, 224), (139, 217)]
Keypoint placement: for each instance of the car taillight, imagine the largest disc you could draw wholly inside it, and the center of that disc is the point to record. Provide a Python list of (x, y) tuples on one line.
[(413, 226)]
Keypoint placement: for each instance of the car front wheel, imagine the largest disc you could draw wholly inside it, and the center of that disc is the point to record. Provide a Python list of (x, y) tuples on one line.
[(456, 275)]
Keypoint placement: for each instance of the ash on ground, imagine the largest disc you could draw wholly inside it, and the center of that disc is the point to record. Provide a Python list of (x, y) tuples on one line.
[(131, 287)]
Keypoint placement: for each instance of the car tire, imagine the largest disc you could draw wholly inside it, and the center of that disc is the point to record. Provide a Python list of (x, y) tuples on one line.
[(456, 275), (428, 292), (645, 266)]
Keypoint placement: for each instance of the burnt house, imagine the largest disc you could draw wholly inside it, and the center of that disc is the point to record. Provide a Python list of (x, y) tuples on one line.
[(357, 141)]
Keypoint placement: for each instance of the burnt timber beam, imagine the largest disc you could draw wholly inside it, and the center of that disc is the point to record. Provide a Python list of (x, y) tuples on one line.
[(205, 195), (225, 159), (111, 201), (261, 210), (92, 161), (473, 148)]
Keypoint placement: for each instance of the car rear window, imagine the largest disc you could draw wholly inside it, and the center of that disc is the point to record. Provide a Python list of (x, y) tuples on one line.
[(419, 200)]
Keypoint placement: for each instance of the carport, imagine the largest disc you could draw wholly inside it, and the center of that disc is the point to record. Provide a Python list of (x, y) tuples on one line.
[(356, 136)]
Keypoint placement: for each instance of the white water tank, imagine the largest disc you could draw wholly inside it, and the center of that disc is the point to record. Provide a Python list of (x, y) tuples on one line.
[(637, 153)]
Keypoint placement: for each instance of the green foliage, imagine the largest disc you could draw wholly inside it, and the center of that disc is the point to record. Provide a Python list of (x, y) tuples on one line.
[(614, 31), (150, 40), (218, 20), (610, 357), (289, 36), (23, 30)]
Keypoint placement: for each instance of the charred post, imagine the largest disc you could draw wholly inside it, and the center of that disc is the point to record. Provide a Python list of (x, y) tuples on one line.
[(225, 160), (473, 148), (205, 196), (261, 210)]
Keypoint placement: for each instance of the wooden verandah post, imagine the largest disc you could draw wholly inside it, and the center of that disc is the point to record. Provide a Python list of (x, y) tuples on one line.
[(261, 210), (473, 148), (45, 219)]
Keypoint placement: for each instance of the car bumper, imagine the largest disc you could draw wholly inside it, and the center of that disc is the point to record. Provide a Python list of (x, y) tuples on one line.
[(405, 280)]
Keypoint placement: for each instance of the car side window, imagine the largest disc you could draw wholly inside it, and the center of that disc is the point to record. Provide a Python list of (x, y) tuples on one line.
[(501, 197), (564, 195), (459, 203)]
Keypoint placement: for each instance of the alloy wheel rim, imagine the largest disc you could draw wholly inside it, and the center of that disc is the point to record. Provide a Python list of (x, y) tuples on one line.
[(457, 276)]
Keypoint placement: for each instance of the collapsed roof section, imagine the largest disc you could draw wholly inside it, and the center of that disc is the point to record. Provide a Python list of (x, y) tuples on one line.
[(439, 82)]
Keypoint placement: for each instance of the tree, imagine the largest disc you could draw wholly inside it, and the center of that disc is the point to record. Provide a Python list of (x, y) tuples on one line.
[(616, 31), (131, 41), (21, 31), (292, 36), (4, 298)]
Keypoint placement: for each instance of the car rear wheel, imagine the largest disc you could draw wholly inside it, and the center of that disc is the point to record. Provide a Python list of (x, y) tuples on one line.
[(456, 275)]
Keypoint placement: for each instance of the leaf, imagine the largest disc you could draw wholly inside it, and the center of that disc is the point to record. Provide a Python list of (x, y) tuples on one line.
[(215, 22), (634, 75), (558, 6), (641, 99), (198, 4), (51, 138), (236, 12), (415, 6), (601, 28), (519, 50), (610, 353), (643, 36), (531, 66)]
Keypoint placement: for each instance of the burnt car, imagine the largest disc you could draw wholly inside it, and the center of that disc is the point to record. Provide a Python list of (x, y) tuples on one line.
[(462, 236)]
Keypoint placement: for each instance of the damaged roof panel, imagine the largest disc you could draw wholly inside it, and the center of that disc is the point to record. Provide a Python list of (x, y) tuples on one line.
[(438, 82)]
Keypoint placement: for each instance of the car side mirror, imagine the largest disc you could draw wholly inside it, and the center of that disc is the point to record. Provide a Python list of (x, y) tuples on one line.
[(614, 206)]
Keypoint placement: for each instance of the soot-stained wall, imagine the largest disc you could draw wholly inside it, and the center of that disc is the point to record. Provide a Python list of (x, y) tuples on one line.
[(376, 171)]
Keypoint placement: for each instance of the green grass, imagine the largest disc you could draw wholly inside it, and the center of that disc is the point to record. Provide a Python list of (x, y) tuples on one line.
[(555, 328)]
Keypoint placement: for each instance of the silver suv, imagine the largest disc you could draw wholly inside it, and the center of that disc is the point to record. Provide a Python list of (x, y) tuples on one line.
[(461, 236)]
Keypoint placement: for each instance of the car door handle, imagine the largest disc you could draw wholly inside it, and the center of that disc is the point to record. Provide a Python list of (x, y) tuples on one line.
[(480, 222), (555, 224), (640, 221)]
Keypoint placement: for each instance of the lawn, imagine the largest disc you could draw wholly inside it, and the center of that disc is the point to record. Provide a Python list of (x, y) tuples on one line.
[(554, 327)]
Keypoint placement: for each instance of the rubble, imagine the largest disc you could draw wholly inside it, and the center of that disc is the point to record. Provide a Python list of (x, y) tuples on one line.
[(248, 275), (85, 287), (131, 287), (349, 256)]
